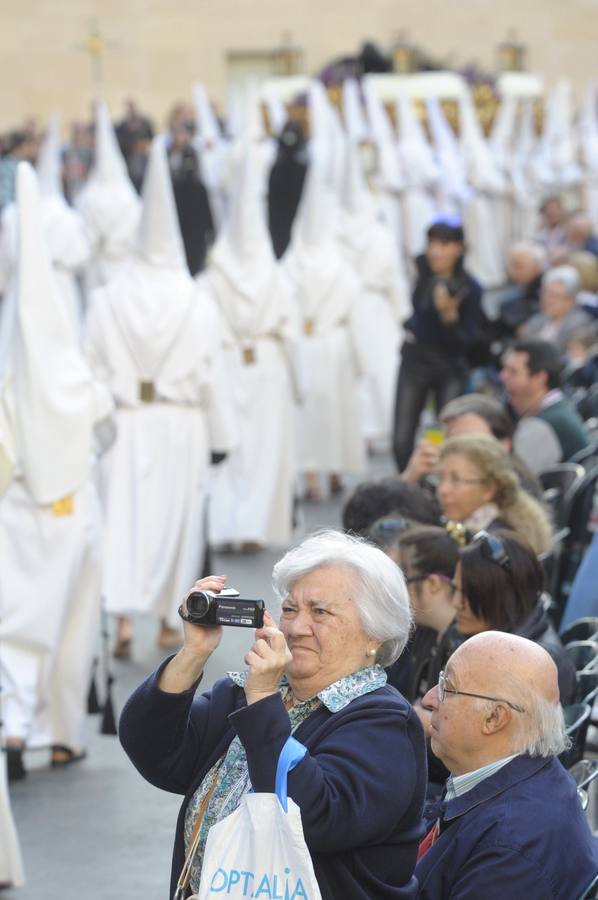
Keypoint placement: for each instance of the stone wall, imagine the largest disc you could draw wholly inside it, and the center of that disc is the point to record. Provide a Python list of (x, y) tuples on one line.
[(157, 49)]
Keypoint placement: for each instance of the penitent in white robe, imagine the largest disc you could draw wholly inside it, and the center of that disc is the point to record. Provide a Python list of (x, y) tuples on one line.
[(11, 867), (151, 325), (382, 306), (253, 490), (49, 512), (330, 438)]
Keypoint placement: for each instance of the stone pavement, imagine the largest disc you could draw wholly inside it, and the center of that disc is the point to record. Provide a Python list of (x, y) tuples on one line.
[(96, 830)]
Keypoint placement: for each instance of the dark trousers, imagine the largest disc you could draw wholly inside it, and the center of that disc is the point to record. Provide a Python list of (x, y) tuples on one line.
[(423, 370)]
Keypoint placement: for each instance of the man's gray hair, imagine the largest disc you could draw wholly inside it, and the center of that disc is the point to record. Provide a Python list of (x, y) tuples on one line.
[(545, 734), (381, 595), (542, 729), (566, 276), (536, 251)]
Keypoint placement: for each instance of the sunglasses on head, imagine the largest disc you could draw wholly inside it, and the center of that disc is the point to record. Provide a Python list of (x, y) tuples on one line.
[(388, 526), (493, 548)]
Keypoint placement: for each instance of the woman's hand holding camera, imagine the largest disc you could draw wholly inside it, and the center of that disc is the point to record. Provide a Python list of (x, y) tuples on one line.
[(267, 661), (184, 669), (446, 305)]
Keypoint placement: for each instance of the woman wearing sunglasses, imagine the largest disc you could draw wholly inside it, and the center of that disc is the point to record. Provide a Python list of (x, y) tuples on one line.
[(477, 488), (427, 557), (498, 587)]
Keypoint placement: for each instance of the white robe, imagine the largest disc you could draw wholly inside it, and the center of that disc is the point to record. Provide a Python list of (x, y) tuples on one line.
[(330, 435), (150, 324), (11, 866), (252, 495), (67, 246), (382, 307), (49, 614)]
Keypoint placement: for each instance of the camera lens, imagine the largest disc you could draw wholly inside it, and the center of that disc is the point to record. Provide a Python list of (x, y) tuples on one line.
[(198, 603)]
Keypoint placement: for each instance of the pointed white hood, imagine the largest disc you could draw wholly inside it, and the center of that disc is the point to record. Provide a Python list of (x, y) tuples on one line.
[(314, 224), (277, 111), (390, 174), (356, 125), (54, 394), (558, 140), (159, 241), (416, 153), (208, 129), (356, 196), (252, 121), (109, 164), (326, 146), (321, 128), (525, 142), (502, 137), (359, 222), (453, 183), (243, 251), (49, 162), (483, 173), (315, 252)]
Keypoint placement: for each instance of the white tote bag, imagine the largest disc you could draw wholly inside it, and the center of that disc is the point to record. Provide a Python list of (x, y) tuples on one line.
[(259, 850)]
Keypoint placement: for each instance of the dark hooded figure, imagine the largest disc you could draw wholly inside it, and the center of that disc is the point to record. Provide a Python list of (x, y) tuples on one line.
[(286, 184), (191, 198)]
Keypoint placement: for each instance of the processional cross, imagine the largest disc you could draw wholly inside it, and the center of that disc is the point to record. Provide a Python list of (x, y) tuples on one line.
[(95, 46)]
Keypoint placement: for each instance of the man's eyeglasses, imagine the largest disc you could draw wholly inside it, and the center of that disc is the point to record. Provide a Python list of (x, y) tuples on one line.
[(443, 690), (493, 548), (413, 579)]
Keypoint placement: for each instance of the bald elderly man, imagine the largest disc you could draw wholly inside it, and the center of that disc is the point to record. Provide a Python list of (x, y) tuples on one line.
[(509, 824)]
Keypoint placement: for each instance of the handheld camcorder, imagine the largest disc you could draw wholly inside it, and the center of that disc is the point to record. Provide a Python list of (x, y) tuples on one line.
[(225, 608)]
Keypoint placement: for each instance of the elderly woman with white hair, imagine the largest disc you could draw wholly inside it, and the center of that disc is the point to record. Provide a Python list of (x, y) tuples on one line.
[(319, 676), (559, 313)]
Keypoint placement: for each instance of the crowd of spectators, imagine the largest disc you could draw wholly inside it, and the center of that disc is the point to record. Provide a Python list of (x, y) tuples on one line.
[(468, 518)]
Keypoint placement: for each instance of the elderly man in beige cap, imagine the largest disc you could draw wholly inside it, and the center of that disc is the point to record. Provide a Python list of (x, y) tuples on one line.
[(509, 823)]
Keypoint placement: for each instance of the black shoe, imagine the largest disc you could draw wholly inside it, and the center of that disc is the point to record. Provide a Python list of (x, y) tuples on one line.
[(64, 756), (15, 769)]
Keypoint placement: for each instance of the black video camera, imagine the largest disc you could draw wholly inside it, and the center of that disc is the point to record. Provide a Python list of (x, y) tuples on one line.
[(225, 608)]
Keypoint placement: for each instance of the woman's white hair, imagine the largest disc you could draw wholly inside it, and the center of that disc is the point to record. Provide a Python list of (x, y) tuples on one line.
[(381, 595), (566, 276)]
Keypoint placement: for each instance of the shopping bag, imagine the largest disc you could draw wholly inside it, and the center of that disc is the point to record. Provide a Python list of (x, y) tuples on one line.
[(259, 850)]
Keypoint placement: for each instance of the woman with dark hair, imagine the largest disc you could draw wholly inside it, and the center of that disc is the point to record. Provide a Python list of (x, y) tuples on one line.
[(438, 335), (498, 587), (372, 501), (427, 556)]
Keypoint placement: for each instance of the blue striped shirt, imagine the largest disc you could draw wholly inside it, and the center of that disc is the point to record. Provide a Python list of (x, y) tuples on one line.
[(456, 785)]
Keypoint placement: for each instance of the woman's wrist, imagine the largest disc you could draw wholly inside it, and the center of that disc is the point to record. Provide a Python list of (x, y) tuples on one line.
[(183, 671), (256, 696)]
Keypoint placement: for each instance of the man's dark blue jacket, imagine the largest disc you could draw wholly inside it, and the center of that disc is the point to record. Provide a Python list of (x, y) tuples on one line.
[(360, 787), (519, 835)]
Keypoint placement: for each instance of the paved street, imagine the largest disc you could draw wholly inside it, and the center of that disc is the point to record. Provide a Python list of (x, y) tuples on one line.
[(96, 830)]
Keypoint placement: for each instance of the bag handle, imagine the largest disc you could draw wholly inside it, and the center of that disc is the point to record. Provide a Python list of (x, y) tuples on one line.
[(291, 754)]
